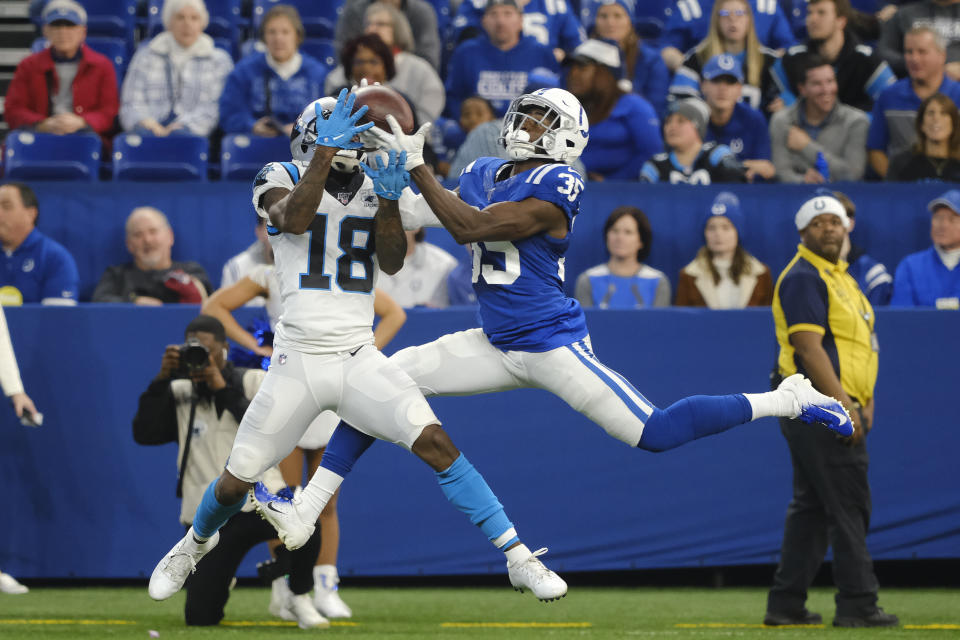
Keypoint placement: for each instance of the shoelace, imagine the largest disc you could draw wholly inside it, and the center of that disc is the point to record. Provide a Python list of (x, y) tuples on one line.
[(535, 567), (178, 570)]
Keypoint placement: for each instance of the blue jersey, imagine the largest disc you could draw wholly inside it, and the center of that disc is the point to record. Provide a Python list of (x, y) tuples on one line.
[(39, 270), (552, 23), (628, 137), (519, 284), (689, 23), (745, 134), (479, 68)]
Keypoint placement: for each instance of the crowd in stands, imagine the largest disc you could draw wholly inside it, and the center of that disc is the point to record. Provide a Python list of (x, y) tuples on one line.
[(736, 91)]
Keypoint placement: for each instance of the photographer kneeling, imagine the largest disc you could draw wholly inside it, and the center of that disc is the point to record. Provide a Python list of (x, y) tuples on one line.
[(197, 400)]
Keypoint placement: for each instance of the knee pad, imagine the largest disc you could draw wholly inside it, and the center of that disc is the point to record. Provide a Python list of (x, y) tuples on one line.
[(247, 463)]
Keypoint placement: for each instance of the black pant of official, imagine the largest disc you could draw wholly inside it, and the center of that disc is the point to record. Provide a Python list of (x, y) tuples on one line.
[(830, 506), (209, 587)]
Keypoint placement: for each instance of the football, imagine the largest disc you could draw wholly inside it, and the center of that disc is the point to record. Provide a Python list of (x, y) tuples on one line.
[(382, 101)]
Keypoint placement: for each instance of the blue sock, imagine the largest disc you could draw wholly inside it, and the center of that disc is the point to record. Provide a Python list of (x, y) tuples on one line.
[(692, 418), (344, 449), (211, 515), (466, 489)]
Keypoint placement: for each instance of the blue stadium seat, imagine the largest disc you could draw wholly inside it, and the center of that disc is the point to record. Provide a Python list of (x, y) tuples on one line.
[(149, 158), (322, 49), (111, 18), (319, 18), (44, 156), (244, 155), (224, 20), (116, 50)]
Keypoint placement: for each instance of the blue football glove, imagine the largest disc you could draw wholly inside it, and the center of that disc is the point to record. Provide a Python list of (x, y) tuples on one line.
[(339, 129), (389, 180)]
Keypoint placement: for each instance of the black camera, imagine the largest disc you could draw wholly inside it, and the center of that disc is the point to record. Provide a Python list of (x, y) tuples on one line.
[(193, 357)]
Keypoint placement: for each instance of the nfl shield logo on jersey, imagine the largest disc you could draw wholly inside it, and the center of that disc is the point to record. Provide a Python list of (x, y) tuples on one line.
[(344, 197), (282, 359)]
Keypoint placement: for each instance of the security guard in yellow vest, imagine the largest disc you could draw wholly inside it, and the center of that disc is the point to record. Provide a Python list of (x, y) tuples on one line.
[(825, 329)]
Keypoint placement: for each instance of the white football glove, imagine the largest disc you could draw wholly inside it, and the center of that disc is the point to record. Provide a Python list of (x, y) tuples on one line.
[(398, 141)]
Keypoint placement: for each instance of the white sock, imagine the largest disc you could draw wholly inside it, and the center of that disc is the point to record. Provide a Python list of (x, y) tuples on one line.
[(517, 554), (318, 493), (325, 576), (772, 403)]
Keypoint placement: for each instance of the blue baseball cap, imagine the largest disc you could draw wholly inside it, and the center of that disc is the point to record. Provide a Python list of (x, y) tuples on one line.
[(628, 6), (950, 200), (723, 65), (64, 11), (726, 204)]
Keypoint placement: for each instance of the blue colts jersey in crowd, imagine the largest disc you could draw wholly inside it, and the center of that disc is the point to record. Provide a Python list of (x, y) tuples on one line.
[(519, 283)]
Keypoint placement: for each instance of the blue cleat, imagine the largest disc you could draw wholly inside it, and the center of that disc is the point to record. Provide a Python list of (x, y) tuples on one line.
[(813, 407)]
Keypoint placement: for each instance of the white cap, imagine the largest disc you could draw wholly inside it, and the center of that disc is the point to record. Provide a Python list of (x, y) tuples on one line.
[(817, 206)]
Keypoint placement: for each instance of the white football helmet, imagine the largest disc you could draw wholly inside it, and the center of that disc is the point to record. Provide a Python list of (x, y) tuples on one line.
[(303, 137), (565, 121)]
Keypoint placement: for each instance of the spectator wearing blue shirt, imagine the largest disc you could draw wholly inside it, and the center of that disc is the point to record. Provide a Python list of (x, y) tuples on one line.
[(892, 122), (33, 268), (266, 91), (624, 281), (496, 65), (732, 123), (624, 129), (732, 31), (689, 23), (552, 24), (643, 64), (930, 278)]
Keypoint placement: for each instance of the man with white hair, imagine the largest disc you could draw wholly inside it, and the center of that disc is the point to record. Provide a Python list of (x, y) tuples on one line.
[(825, 329), (174, 81), (153, 278), (892, 122)]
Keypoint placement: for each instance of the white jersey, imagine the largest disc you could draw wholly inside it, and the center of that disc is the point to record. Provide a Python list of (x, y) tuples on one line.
[(326, 276)]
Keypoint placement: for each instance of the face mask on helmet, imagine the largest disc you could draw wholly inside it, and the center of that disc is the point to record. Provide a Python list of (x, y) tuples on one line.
[(556, 121), (303, 138)]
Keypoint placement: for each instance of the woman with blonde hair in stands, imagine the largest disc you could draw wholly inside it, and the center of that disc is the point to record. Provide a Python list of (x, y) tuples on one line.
[(724, 275), (415, 78), (936, 153), (732, 31), (261, 281)]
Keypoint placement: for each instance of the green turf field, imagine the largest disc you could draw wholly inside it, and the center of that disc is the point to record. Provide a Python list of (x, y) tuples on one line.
[(466, 614)]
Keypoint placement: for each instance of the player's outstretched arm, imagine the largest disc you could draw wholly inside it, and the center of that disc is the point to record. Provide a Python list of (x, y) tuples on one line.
[(389, 182), (294, 211), (500, 221)]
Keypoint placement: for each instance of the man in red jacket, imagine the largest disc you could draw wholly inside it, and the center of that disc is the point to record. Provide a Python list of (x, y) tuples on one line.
[(68, 87)]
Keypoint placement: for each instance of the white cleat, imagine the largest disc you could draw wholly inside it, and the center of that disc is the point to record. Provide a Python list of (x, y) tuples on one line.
[(307, 617), (180, 562), (813, 407), (326, 593), (280, 596), (282, 514), (10, 586), (534, 575)]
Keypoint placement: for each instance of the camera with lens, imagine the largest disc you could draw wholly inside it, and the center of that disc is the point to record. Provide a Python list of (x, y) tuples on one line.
[(193, 357)]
